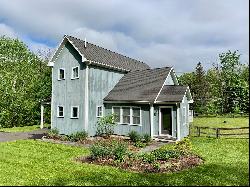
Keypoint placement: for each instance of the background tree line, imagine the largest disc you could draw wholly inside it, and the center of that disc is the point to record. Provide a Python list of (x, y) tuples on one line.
[(25, 80), (222, 89)]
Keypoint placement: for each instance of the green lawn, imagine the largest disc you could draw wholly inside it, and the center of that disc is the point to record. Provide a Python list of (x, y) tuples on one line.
[(32, 162), (215, 122), (22, 129)]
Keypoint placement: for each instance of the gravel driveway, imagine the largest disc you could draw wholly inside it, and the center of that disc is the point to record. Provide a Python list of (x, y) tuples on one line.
[(11, 136)]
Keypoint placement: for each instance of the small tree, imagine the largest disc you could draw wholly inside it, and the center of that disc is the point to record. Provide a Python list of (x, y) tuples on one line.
[(105, 125)]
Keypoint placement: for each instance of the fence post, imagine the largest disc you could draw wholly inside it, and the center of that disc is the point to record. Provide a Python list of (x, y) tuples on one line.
[(217, 132), (198, 131)]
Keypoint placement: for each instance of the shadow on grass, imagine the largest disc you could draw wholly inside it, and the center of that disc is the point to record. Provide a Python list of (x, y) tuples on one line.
[(207, 174)]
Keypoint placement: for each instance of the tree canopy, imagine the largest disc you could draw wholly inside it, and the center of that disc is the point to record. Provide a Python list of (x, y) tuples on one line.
[(221, 89), (25, 81)]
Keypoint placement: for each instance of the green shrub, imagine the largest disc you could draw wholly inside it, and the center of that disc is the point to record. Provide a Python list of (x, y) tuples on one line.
[(105, 125), (120, 150), (134, 136), (116, 150), (97, 150), (148, 157), (139, 144), (147, 138), (163, 154), (184, 145), (53, 133), (78, 136)]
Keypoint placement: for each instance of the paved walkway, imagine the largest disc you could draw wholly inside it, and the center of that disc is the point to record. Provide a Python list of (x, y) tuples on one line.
[(11, 136), (155, 145)]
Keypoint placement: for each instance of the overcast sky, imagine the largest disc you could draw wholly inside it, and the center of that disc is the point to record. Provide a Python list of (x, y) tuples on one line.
[(177, 33)]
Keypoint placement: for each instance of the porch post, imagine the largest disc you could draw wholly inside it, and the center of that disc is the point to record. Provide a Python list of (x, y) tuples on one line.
[(151, 120), (41, 124), (178, 122)]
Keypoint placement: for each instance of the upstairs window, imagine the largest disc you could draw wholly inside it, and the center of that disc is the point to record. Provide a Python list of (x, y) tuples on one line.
[(61, 74), (75, 112), (75, 72), (99, 111), (60, 112)]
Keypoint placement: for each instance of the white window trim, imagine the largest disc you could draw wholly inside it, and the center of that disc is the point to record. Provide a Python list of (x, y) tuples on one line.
[(58, 111), (97, 111), (58, 78), (131, 115), (72, 72), (71, 116)]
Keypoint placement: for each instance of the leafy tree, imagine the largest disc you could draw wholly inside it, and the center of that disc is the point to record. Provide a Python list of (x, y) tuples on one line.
[(25, 81), (235, 89)]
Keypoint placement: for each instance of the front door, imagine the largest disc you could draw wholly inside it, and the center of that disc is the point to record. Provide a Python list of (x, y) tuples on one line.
[(166, 121)]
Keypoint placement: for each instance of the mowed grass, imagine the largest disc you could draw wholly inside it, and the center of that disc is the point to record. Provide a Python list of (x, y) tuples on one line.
[(32, 162), (221, 122), (23, 129)]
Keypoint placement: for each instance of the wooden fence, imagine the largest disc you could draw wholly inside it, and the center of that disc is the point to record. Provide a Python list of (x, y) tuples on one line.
[(217, 131)]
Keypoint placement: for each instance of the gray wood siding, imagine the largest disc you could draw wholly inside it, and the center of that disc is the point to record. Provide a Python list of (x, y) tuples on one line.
[(184, 124), (68, 92), (101, 82), (124, 129)]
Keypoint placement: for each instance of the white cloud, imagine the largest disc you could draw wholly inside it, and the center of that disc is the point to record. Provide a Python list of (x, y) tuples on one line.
[(161, 33), (7, 31)]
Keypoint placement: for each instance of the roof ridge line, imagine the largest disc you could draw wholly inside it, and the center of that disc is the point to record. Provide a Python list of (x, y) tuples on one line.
[(107, 49)]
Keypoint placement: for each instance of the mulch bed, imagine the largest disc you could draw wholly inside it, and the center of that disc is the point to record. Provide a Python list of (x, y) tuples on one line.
[(171, 165)]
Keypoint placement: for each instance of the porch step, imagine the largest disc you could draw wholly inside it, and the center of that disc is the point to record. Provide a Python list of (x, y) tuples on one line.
[(165, 138)]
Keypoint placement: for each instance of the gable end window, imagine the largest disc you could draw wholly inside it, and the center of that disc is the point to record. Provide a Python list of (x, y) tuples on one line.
[(75, 112), (61, 74), (60, 112), (99, 111), (75, 72)]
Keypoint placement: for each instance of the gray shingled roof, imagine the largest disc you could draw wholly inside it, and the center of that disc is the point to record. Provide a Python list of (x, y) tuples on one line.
[(106, 57), (172, 93), (139, 85)]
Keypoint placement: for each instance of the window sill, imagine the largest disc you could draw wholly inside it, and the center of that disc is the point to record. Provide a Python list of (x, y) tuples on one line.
[(74, 78), (60, 116), (135, 125), (74, 117), (129, 124), (60, 79)]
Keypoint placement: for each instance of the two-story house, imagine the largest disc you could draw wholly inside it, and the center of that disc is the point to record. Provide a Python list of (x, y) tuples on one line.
[(89, 82)]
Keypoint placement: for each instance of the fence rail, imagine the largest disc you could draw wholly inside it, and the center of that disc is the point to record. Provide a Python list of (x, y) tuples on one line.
[(218, 133)]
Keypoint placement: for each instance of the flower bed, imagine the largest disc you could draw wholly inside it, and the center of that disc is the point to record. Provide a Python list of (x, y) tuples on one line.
[(117, 153)]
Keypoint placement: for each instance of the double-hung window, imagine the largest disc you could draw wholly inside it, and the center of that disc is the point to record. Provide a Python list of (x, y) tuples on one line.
[(99, 111), (126, 115), (136, 116), (117, 112), (61, 74), (60, 112), (75, 112), (75, 72)]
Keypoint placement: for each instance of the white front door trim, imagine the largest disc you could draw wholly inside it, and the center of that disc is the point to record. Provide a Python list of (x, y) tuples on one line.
[(172, 117)]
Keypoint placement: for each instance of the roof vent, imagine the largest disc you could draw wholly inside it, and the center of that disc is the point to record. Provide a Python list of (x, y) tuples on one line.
[(85, 42)]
